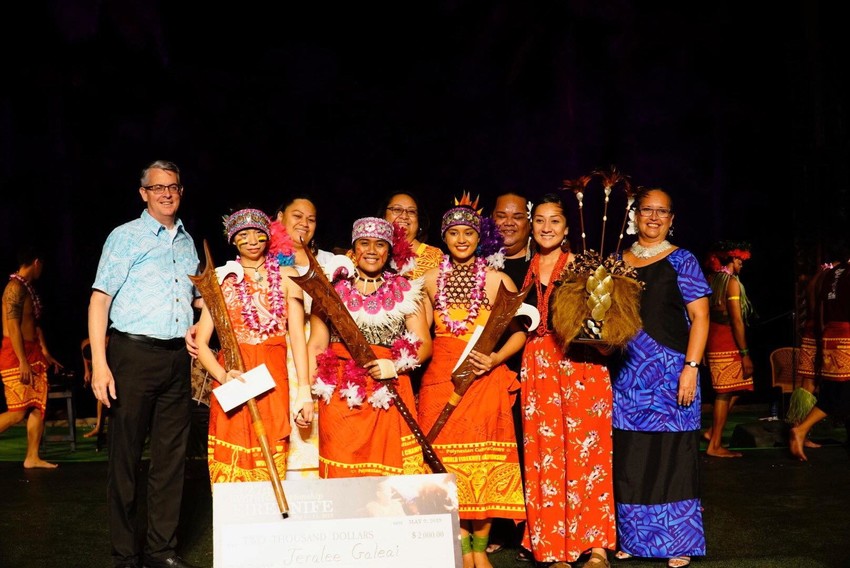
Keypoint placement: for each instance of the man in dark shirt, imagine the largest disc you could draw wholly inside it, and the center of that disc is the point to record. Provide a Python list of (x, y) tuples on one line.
[(511, 214)]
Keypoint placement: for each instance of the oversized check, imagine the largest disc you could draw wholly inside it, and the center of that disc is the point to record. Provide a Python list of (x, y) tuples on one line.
[(367, 522)]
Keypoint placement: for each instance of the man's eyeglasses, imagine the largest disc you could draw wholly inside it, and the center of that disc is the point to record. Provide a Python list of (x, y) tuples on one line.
[(648, 211), (159, 189), (399, 211)]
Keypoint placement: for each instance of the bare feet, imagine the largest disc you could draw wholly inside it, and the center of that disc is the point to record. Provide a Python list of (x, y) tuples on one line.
[(809, 444), (481, 560), (707, 435), (92, 433), (721, 452), (39, 463), (796, 441)]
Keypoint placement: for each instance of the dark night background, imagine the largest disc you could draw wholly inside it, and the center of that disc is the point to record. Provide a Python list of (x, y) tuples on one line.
[(738, 109)]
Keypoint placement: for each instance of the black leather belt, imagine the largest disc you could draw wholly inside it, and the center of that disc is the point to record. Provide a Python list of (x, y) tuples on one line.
[(170, 344)]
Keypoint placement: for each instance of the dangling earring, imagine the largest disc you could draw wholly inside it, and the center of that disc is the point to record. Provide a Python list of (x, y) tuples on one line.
[(670, 232), (565, 244), (528, 250)]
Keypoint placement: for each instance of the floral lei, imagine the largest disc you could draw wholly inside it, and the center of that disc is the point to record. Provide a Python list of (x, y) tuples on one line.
[(36, 301), (276, 301), (353, 379), (476, 295), (383, 299)]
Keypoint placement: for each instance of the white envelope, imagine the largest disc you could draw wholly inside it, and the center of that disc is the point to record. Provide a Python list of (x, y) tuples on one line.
[(233, 393)]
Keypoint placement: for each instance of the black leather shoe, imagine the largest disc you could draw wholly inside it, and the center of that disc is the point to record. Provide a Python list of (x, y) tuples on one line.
[(173, 562)]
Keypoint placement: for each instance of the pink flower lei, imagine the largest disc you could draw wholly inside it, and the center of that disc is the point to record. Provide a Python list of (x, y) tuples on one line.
[(384, 298), (36, 301), (476, 295), (277, 305)]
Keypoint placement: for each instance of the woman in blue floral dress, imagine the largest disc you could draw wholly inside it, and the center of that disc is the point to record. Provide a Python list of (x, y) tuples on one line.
[(657, 397)]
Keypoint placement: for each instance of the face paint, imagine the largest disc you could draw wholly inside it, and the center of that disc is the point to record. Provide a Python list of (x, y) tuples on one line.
[(249, 236)]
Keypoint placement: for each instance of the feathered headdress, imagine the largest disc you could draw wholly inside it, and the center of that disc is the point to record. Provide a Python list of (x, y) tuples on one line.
[(722, 253), (491, 244), (465, 212)]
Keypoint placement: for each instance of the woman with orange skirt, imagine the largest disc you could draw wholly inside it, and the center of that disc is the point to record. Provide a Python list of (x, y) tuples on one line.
[(477, 443), (261, 303), (362, 432)]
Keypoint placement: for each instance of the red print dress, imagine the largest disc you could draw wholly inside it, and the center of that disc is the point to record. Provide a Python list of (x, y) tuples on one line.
[(567, 408)]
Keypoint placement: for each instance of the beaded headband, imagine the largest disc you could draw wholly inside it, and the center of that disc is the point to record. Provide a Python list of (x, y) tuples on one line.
[(245, 219), (464, 213), (372, 227)]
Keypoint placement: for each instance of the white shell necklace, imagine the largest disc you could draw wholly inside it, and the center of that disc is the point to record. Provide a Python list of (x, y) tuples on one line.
[(648, 252)]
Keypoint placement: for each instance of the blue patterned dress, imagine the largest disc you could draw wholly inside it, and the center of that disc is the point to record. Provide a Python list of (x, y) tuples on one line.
[(656, 441)]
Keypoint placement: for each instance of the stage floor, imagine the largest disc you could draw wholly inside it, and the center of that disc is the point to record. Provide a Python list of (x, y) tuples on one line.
[(763, 510)]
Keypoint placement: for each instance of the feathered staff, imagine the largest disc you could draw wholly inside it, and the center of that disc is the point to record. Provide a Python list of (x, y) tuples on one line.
[(610, 179), (578, 187)]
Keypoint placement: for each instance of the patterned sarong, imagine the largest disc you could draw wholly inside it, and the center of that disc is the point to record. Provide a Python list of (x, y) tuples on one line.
[(478, 443), (18, 395), (836, 353), (724, 360), (362, 440), (233, 447)]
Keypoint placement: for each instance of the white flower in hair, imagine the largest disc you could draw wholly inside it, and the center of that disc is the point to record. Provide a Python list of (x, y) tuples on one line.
[(497, 259), (631, 228), (529, 206)]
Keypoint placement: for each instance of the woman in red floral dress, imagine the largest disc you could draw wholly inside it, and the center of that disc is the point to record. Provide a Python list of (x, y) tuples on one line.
[(566, 401)]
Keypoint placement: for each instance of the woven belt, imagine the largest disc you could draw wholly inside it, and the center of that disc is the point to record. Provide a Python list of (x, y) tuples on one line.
[(169, 344)]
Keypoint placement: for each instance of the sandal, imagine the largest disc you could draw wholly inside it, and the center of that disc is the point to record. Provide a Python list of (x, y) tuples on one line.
[(597, 560), (622, 555), (679, 562), (524, 556), (494, 547)]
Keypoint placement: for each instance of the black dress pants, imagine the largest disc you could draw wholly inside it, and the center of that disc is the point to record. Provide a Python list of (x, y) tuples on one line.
[(152, 385)]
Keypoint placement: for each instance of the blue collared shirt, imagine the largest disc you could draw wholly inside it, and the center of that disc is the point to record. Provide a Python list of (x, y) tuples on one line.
[(147, 274)]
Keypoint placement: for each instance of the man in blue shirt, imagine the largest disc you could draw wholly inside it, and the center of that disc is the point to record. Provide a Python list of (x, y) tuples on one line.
[(143, 292)]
